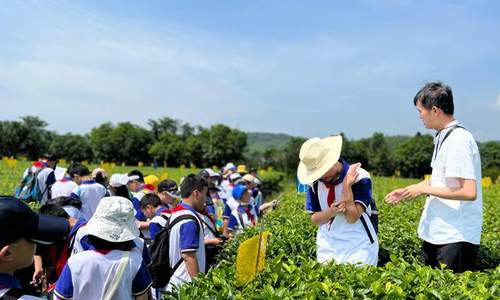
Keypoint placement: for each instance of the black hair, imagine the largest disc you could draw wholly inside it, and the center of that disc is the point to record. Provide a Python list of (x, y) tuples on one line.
[(99, 178), (78, 169), (436, 94), (99, 243), (150, 199), (192, 183), (53, 210), (121, 191), (137, 173), (63, 200)]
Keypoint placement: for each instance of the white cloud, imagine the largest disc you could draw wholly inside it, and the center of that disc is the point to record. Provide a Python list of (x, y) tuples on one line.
[(497, 103)]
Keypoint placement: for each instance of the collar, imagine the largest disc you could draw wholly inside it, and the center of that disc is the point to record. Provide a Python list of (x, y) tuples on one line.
[(90, 181), (8, 281), (159, 210), (66, 179), (343, 173), (183, 206), (81, 222)]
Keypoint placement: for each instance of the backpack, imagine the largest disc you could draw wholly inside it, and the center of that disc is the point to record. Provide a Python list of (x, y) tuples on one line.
[(28, 189), (373, 216), (160, 268)]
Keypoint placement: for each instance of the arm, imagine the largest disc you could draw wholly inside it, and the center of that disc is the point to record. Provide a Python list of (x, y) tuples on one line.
[(322, 217), (191, 263), (145, 296), (225, 227), (352, 210), (466, 190)]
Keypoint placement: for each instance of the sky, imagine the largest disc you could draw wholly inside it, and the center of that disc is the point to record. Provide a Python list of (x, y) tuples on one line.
[(305, 68)]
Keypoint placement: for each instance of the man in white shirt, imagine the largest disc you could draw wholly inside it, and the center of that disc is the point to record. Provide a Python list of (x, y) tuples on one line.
[(450, 225)]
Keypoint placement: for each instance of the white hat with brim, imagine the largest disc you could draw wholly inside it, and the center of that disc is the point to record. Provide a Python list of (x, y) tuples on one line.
[(113, 220), (317, 156)]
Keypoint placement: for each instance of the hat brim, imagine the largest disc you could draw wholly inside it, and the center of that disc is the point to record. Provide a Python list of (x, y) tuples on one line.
[(174, 194), (334, 144), (49, 230), (112, 231)]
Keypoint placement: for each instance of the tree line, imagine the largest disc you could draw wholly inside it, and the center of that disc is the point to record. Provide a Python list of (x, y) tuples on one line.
[(171, 142), (382, 155), (165, 141)]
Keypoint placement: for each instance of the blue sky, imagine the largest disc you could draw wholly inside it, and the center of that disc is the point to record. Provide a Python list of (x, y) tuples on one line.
[(309, 68)]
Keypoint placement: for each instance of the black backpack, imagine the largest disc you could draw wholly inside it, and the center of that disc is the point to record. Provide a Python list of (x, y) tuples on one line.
[(160, 268), (373, 216)]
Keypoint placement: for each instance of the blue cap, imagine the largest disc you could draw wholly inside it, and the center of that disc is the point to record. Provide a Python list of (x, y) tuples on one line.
[(238, 191)]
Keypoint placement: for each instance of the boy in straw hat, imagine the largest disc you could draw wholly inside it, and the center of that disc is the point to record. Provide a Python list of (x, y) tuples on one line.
[(339, 202), (112, 270)]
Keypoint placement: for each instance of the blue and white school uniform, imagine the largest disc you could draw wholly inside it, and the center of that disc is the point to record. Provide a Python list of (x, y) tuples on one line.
[(338, 239), (186, 236), (90, 193), (88, 275), (241, 217), (158, 222)]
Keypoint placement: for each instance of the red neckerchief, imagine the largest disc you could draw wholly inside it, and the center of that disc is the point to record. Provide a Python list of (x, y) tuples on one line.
[(330, 198), (250, 215)]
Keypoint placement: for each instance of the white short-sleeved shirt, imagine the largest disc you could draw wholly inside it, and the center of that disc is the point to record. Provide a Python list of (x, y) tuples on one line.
[(43, 179), (90, 193), (449, 221), (63, 188), (24, 297)]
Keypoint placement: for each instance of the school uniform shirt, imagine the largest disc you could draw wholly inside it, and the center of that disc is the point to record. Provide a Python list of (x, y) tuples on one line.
[(208, 225), (139, 215), (45, 179), (90, 193), (241, 217), (449, 221), (63, 188), (185, 237), (8, 282), (158, 222), (88, 274), (337, 239)]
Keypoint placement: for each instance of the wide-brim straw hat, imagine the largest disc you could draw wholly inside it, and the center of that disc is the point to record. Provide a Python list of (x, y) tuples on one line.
[(317, 156)]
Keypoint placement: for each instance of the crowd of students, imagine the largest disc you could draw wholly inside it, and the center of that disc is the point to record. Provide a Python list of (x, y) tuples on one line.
[(110, 231)]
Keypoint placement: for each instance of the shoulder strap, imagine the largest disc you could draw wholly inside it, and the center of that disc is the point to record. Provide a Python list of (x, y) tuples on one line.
[(367, 229), (445, 137), (210, 228), (240, 217), (110, 292)]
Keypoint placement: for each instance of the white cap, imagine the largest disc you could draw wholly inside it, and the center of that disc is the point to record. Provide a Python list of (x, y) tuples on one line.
[(113, 220), (212, 173), (118, 180), (249, 178), (234, 176), (230, 166)]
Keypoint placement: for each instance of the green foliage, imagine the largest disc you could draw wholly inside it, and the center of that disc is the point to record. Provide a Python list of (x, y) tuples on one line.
[(27, 137), (71, 147), (293, 273), (490, 158), (413, 157)]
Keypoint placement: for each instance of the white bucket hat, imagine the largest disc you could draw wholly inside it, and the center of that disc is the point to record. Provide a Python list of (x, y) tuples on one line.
[(118, 180), (317, 156), (113, 220)]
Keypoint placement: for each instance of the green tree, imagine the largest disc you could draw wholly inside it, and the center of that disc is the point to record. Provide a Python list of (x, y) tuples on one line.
[(72, 147), (490, 159), (379, 156), (413, 157)]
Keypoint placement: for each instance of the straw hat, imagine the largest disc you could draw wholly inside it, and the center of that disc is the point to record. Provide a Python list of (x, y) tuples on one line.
[(317, 156)]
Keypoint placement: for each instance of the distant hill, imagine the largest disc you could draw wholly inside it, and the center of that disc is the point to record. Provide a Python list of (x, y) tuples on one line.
[(260, 141)]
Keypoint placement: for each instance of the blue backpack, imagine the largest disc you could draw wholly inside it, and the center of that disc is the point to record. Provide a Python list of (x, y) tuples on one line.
[(28, 189)]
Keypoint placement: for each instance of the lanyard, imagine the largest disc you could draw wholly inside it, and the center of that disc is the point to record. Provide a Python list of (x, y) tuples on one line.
[(438, 145)]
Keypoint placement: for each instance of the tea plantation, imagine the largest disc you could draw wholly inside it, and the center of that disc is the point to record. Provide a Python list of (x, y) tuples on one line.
[(292, 273)]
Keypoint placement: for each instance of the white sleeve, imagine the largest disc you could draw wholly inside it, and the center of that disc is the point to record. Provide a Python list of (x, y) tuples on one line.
[(460, 158)]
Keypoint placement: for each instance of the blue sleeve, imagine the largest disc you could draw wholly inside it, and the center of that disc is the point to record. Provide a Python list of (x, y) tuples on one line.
[(75, 194), (189, 235), (312, 202), (227, 212), (64, 285), (233, 223), (362, 192), (139, 215), (142, 281), (154, 228)]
